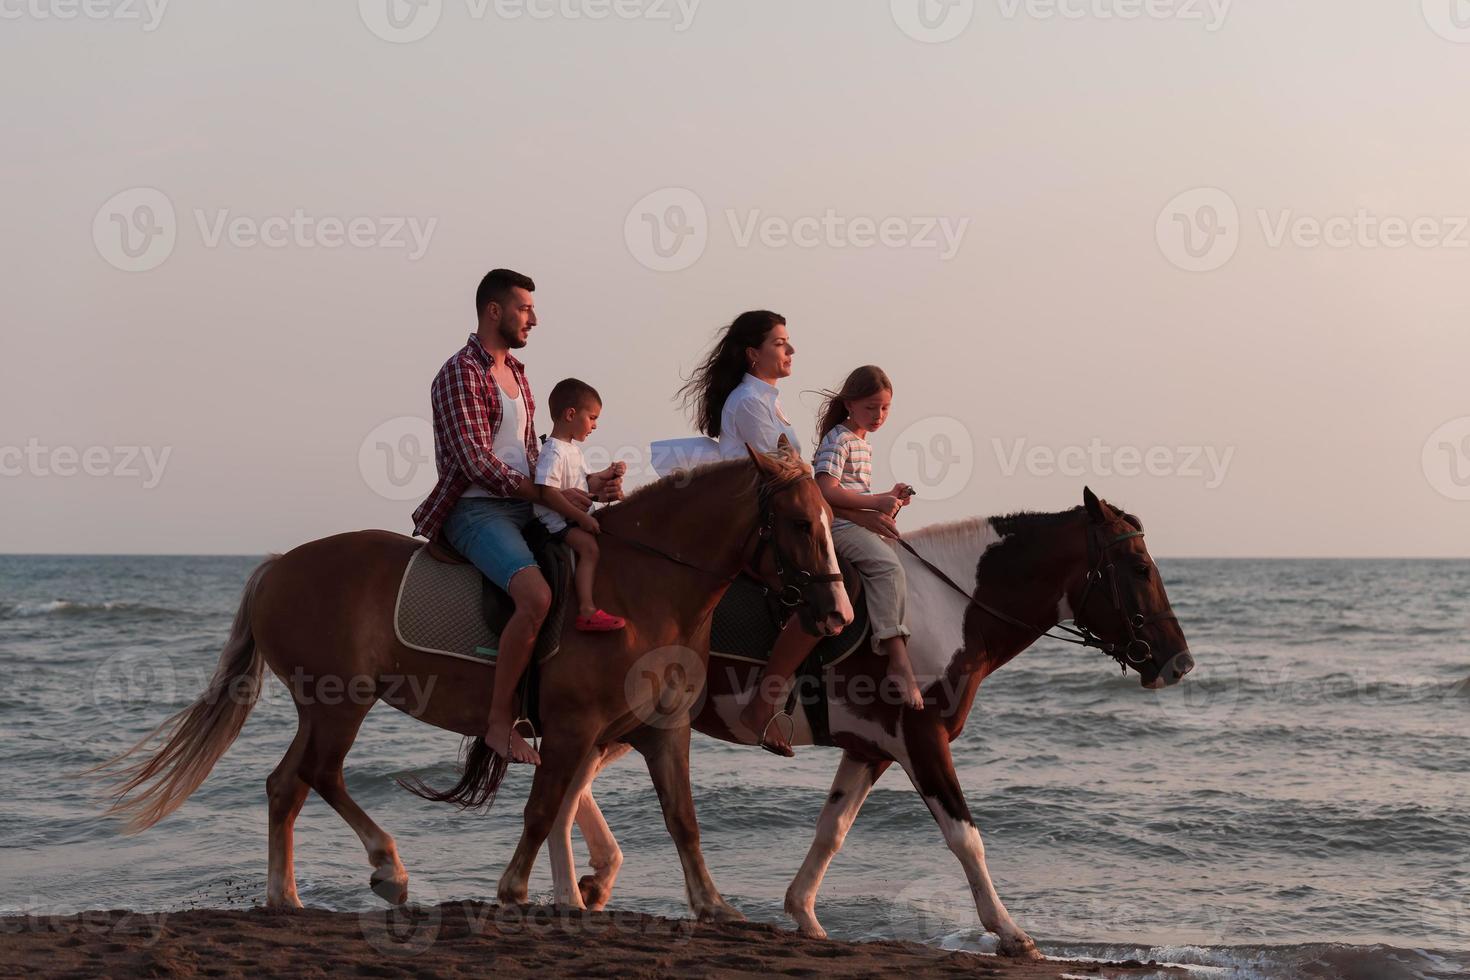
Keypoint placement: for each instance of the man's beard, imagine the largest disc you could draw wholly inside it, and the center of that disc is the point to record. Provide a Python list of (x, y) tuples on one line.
[(511, 334)]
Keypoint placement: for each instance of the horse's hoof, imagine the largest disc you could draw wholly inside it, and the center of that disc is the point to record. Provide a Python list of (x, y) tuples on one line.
[(594, 892), (284, 902), (390, 887), (806, 921), (721, 913), (1019, 949)]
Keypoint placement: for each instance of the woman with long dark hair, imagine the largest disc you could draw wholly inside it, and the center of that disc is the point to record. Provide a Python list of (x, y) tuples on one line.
[(733, 397)]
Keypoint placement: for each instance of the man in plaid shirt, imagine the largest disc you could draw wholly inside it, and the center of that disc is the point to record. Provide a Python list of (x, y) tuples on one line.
[(485, 450)]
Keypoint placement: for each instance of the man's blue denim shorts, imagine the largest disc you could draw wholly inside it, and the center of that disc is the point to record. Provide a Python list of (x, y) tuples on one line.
[(488, 531)]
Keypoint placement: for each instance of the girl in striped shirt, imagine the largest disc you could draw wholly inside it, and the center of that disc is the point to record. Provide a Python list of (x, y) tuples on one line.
[(844, 470)]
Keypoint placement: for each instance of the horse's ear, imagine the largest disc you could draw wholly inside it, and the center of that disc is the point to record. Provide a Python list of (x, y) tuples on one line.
[(784, 444), (762, 465), (1096, 509)]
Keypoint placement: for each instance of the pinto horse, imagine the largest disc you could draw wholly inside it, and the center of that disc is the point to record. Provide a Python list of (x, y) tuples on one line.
[(1022, 575), (321, 617)]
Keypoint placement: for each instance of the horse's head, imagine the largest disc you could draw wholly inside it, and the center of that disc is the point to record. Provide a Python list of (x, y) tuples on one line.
[(794, 556), (1121, 599)]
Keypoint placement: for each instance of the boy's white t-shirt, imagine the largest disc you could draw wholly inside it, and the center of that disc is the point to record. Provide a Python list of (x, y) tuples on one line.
[(561, 466)]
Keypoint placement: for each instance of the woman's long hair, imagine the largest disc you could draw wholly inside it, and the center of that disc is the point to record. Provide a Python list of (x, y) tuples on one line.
[(704, 394), (864, 382)]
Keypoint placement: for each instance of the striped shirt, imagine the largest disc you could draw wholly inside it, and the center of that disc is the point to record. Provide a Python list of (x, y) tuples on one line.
[(845, 456)]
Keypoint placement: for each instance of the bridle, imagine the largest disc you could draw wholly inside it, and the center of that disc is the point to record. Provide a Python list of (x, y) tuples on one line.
[(792, 593), (1101, 566)]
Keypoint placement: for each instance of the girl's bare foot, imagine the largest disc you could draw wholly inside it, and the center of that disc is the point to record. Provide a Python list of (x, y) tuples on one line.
[(901, 672)]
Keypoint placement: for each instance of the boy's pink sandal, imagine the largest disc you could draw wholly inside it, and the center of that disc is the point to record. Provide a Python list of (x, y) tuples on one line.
[(600, 622)]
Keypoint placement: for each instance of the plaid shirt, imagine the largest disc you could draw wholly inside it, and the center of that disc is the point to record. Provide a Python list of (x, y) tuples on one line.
[(466, 417)]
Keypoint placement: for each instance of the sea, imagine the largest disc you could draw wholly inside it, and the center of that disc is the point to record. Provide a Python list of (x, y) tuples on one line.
[(1296, 808)]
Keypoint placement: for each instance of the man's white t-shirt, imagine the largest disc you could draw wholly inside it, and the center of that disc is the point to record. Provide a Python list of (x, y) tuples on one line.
[(560, 465), (510, 439)]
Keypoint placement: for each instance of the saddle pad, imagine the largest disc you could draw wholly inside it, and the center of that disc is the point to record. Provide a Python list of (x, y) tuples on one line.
[(744, 628), (453, 610)]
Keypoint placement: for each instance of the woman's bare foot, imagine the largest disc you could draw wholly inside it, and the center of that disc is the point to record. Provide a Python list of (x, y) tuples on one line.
[(506, 742), (760, 717)]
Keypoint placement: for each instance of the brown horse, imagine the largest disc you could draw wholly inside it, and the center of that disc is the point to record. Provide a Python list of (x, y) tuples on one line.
[(321, 617), (980, 592)]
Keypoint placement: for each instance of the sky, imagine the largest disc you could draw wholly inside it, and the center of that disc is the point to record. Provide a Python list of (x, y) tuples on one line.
[(1208, 258)]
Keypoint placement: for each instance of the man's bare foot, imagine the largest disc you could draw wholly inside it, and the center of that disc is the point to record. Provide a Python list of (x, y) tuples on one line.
[(760, 717), (508, 744)]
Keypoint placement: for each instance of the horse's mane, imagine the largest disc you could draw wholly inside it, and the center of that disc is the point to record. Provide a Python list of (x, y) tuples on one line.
[(790, 468), (1006, 525)]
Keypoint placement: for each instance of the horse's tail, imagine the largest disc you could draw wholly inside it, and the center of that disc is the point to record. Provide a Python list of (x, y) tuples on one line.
[(480, 775), (150, 789)]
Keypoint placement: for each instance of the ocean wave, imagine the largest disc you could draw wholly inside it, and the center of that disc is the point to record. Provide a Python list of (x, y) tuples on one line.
[(1305, 960), (69, 607)]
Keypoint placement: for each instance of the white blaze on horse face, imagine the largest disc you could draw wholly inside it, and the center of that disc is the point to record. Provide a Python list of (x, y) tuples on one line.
[(1064, 609), (840, 601)]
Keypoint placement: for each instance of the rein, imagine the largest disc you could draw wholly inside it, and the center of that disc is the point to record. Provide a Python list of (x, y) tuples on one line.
[(791, 595), (1082, 636)]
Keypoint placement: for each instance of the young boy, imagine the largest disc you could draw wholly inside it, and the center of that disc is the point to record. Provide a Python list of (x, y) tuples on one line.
[(575, 406)]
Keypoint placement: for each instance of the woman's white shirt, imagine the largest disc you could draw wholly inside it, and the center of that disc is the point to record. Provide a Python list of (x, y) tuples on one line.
[(753, 415)]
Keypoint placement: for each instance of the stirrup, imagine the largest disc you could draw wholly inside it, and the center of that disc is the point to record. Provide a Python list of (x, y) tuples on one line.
[(535, 735), (790, 735)]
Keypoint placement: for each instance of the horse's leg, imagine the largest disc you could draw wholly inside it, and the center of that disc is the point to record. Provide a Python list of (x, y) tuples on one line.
[(931, 769), (563, 864), (563, 757), (286, 792), (333, 730), (604, 856), (850, 787), (667, 754), (603, 853)]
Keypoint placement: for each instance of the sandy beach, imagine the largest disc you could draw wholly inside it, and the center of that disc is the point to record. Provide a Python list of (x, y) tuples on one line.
[(470, 939)]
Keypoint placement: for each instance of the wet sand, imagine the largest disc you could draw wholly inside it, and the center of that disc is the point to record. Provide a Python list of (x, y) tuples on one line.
[(469, 939)]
